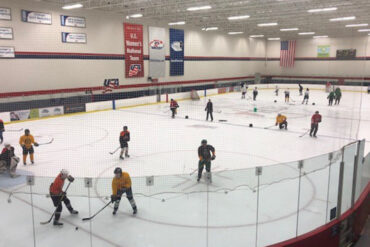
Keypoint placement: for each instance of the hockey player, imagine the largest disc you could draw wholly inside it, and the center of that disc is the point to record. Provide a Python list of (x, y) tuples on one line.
[(205, 157), (58, 196), (121, 184), (276, 90), (306, 96), (368, 89), (331, 97), (124, 138), (173, 107), (338, 96), (26, 142), (315, 120), (281, 121), (255, 93), (2, 129), (244, 90), (287, 95), (300, 89), (8, 161), (209, 110)]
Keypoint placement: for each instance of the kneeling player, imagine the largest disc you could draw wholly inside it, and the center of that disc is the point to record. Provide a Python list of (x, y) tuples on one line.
[(58, 195), (26, 142), (124, 138), (8, 161), (121, 184), (281, 121), (205, 157)]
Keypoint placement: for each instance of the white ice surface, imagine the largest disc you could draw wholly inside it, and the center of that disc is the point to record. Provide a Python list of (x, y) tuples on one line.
[(166, 148)]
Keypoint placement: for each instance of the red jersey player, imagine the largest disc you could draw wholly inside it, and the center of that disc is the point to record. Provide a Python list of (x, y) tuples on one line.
[(315, 120)]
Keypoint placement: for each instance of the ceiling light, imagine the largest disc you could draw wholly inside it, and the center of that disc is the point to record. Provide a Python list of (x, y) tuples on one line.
[(321, 36), (364, 30), (307, 33), (267, 24), (348, 18), (240, 17), (72, 6), (289, 29), (177, 23), (135, 16), (321, 10), (273, 38), (257, 36), (199, 8), (209, 28), (233, 33), (357, 25)]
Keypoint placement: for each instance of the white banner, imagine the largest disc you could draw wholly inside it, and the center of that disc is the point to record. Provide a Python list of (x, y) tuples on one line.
[(51, 111), (6, 33), (157, 56), (36, 17), (5, 116), (20, 115), (7, 52), (72, 21), (74, 38), (5, 14)]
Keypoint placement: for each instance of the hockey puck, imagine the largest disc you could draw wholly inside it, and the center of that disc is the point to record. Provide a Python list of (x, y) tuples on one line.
[(76, 228), (275, 101), (9, 200), (250, 125), (313, 103), (163, 200), (186, 117)]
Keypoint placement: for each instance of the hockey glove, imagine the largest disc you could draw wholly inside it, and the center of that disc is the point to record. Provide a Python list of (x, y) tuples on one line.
[(70, 178), (113, 198), (36, 144), (213, 157)]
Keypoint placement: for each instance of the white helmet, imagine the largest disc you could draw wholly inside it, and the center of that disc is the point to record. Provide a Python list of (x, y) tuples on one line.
[(64, 172), (6, 144)]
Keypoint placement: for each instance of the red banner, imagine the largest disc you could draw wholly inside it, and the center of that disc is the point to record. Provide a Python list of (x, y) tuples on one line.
[(134, 50)]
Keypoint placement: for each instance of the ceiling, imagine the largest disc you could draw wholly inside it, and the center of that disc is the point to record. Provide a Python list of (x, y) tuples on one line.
[(287, 13)]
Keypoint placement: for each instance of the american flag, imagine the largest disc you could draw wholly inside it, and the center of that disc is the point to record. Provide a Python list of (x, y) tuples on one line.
[(110, 84), (287, 53), (134, 70)]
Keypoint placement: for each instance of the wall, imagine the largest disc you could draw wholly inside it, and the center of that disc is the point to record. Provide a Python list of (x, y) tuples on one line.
[(307, 63), (105, 37)]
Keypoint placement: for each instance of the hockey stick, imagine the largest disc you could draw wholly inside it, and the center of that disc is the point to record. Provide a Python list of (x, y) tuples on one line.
[(269, 126), (305, 133), (46, 143), (15, 130), (90, 218), (115, 150), (193, 172), (60, 201)]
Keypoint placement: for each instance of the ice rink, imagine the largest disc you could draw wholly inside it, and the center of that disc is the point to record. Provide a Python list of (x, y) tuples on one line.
[(167, 149)]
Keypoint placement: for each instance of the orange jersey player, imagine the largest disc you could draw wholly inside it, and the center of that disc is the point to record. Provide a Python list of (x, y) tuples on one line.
[(26, 142), (121, 184)]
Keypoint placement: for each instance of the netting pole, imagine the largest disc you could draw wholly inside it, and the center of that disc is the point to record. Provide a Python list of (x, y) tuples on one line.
[(328, 192), (300, 166), (31, 182), (258, 174), (88, 184), (113, 104)]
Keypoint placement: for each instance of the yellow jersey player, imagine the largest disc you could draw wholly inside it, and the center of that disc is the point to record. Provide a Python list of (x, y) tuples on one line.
[(26, 142), (281, 121), (121, 184)]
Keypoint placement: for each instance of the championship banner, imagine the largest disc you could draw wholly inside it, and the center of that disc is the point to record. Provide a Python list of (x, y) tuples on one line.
[(74, 37), (72, 21), (5, 14), (6, 33), (157, 56), (133, 50), (36, 17), (176, 52), (7, 52), (323, 51)]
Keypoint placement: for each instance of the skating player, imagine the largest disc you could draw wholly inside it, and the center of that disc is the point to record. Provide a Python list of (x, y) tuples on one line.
[(315, 120), (255, 93), (124, 138), (281, 121), (205, 157), (8, 161), (26, 142), (276, 90), (173, 107), (331, 97), (287, 95), (209, 110), (244, 90), (306, 96), (338, 96), (2, 129), (121, 184), (58, 196), (300, 89)]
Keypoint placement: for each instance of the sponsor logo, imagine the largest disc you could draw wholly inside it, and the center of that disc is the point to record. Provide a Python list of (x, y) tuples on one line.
[(134, 69), (177, 46), (156, 44)]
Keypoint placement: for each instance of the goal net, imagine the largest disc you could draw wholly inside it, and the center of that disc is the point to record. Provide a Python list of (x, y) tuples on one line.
[(194, 95)]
